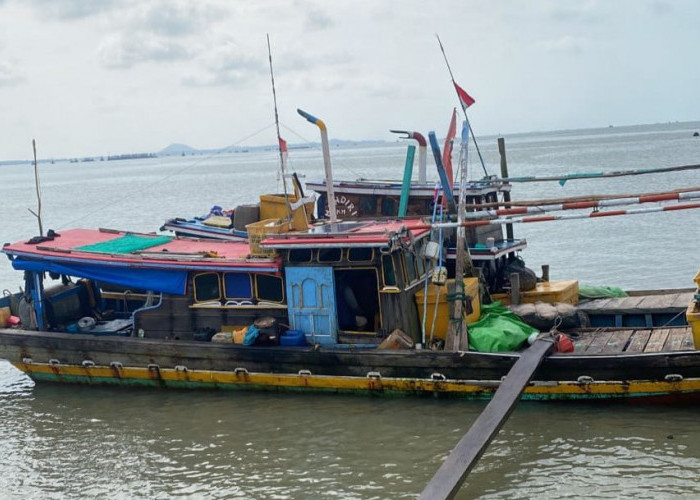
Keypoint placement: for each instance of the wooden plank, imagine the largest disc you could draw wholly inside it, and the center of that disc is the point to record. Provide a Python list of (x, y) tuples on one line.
[(657, 340), (674, 342), (638, 341), (683, 299), (595, 304), (583, 341), (599, 342), (454, 470), (617, 342), (688, 343)]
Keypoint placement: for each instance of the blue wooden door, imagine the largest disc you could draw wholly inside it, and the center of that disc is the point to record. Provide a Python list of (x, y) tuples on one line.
[(311, 303)]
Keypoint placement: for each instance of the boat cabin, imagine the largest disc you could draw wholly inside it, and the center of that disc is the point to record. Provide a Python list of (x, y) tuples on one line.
[(349, 284)]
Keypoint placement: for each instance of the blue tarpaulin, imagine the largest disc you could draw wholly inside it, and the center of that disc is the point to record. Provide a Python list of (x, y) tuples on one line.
[(158, 280)]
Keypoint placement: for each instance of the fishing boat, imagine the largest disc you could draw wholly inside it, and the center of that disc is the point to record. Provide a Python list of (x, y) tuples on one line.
[(337, 307)]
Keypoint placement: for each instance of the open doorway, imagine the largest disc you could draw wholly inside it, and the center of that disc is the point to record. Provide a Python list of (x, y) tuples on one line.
[(357, 300)]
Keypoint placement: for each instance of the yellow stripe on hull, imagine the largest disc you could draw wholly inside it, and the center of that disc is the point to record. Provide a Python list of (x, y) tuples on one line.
[(242, 379)]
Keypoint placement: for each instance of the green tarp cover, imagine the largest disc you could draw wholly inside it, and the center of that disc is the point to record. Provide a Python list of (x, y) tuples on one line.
[(600, 292), (126, 244), (498, 330)]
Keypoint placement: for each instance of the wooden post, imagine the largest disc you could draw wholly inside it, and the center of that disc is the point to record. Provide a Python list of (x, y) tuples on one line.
[(457, 336), (545, 272), (514, 289), (504, 175)]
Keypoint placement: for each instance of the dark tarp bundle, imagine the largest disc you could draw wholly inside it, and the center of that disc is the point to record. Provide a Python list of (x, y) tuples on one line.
[(498, 330)]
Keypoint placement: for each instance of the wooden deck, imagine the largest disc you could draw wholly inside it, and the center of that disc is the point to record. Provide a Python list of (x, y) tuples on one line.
[(658, 303), (633, 340), (639, 309)]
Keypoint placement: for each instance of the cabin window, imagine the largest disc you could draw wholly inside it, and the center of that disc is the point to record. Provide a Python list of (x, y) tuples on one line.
[(410, 267), (360, 254), (389, 206), (368, 205), (300, 255), (237, 286), (420, 260), (269, 288), (330, 255), (388, 273), (420, 265), (206, 287)]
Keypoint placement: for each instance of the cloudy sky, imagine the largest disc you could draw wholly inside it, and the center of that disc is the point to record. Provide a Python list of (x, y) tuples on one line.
[(90, 77)]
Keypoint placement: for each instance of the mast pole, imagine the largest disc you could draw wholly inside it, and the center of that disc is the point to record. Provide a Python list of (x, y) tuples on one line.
[(279, 137), (471, 132), (37, 214)]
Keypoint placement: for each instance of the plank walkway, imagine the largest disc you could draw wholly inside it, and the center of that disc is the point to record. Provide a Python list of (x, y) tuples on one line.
[(633, 340), (654, 304)]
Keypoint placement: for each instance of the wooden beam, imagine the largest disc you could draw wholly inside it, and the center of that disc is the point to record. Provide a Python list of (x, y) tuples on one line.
[(454, 470)]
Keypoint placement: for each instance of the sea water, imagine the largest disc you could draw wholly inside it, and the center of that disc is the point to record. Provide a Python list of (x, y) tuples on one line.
[(71, 442)]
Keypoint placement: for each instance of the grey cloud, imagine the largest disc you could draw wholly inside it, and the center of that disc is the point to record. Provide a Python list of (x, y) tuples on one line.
[(227, 64), (118, 51), (175, 19), (317, 20), (73, 9), (566, 44), (582, 12), (9, 76), (660, 7)]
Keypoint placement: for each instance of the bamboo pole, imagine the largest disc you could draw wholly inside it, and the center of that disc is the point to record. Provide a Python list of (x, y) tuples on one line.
[(550, 201), (562, 179), (37, 214), (546, 218)]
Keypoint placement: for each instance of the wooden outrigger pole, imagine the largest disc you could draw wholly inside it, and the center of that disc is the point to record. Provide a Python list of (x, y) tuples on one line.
[(546, 218), (582, 198), (562, 179), (580, 205)]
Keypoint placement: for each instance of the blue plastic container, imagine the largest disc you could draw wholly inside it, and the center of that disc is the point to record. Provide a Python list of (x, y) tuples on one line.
[(293, 338)]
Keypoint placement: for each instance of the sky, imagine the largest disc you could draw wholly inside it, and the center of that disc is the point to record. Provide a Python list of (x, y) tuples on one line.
[(86, 77)]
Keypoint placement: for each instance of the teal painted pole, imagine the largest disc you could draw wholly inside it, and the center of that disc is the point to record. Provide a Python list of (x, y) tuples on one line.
[(406, 186)]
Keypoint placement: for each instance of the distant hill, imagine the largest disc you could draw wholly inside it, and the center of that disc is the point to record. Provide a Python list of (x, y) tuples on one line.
[(177, 149)]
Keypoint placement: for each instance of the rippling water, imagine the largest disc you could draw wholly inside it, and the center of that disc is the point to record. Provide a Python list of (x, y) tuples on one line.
[(70, 442)]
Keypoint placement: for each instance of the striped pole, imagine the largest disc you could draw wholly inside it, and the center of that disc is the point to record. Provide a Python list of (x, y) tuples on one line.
[(578, 205), (545, 218)]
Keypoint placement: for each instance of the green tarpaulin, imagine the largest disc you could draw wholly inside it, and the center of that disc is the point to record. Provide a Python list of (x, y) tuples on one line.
[(126, 244), (600, 292), (498, 330)]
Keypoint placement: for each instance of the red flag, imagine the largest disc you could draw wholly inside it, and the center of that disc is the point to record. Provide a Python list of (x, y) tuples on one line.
[(283, 145), (465, 99), (447, 148)]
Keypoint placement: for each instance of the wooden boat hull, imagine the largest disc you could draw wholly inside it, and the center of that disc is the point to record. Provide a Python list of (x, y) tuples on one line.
[(76, 358)]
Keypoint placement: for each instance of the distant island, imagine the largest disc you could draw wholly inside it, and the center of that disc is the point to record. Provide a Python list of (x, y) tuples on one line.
[(179, 149)]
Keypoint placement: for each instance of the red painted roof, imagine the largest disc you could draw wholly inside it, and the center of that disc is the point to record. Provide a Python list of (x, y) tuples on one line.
[(193, 252)]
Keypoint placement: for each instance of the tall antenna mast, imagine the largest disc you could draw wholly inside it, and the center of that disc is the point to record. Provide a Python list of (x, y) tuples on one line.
[(281, 145), (464, 109), (37, 214)]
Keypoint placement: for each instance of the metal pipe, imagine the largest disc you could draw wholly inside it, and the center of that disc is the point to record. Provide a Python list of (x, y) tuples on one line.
[(326, 162)]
